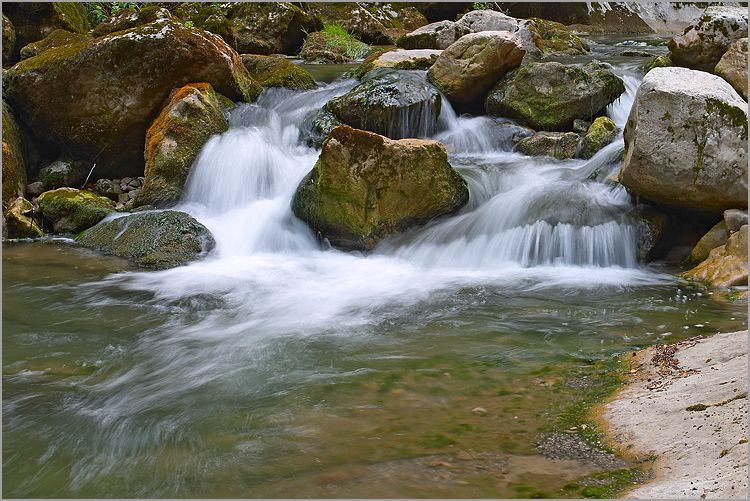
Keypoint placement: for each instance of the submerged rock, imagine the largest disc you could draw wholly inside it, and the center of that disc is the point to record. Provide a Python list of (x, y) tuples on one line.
[(733, 66), (70, 210), (560, 145), (703, 43), (468, 69), (602, 132), (393, 103), (686, 141), (194, 113), (14, 165), (550, 96), (270, 71), (726, 265), (121, 81), (316, 126), (155, 240), (365, 187), (19, 220)]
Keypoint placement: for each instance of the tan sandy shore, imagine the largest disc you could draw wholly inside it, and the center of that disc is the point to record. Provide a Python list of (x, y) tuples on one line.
[(701, 452)]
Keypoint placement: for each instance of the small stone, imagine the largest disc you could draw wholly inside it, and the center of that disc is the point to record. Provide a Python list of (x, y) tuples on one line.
[(581, 126), (122, 198), (479, 411), (134, 183), (35, 189), (126, 180), (132, 194)]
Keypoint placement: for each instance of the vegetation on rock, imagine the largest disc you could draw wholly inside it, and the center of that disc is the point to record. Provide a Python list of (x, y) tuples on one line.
[(272, 71), (71, 210)]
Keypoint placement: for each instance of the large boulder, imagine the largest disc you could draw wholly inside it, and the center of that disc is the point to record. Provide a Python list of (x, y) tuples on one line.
[(270, 71), (333, 46), (550, 96), (372, 22), (194, 113), (602, 132), (365, 187), (703, 43), (57, 38), (686, 141), (726, 265), (559, 145), (19, 220), (268, 27), (466, 70), (97, 98), (126, 19), (437, 36), (732, 66), (393, 103), (9, 40), (156, 240), (35, 20), (70, 210), (14, 166)]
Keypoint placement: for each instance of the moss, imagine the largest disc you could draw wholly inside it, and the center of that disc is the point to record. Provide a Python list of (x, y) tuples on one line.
[(74, 14), (736, 116), (555, 38), (54, 39), (14, 165), (611, 484), (72, 210), (272, 71), (697, 407)]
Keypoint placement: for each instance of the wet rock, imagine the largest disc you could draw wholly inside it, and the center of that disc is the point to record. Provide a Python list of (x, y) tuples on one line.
[(551, 38), (121, 82), (316, 126), (703, 43), (64, 173), (323, 47), (436, 36), (394, 103), (716, 237), (57, 38), (658, 62), (734, 219), (651, 226), (725, 266), (550, 96), (571, 446), (732, 66), (70, 210), (270, 71), (126, 19), (9, 40), (155, 240), (601, 133), (635, 53), (581, 126), (194, 113), (686, 141), (19, 220), (14, 165), (365, 187), (468, 68), (560, 145)]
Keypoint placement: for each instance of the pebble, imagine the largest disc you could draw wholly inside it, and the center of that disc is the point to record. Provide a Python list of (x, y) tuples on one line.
[(34, 189), (480, 411)]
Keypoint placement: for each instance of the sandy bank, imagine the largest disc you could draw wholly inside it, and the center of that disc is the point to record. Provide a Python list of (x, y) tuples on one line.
[(687, 404)]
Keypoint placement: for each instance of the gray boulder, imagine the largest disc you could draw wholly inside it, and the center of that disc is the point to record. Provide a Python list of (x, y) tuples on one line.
[(438, 36)]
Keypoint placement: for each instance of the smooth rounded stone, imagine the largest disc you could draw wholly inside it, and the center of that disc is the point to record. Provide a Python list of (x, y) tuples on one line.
[(734, 219), (365, 187), (136, 70), (57, 38), (155, 240), (316, 126), (132, 194), (651, 226), (64, 173), (550, 96), (560, 145), (703, 43), (272, 71), (468, 68), (601, 133), (34, 189), (193, 114), (715, 237), (9, 40), (70, 210), (19, 220), (686, 141), (490, 20), (726, 266), (393, 103), (438, 36), (732, 66), (14, 164)]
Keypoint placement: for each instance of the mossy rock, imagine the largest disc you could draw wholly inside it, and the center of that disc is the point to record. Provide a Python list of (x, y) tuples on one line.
[(559, 145), (156, 240), (366, 186), (19, 220), (556, 39), (268, 27), (57, 38), (62, 173), (33, 21), (323, 47), (270, 71), (207, 16), (126, 19), (9, 40), (121, 83), (14, 166), (658, 62), (550, 96), (316, 126), (70, 210), (371, 23), (726, 266), (601, 133), (194, 113)]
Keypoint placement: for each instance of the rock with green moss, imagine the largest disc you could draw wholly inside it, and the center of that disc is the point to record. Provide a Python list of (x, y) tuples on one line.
[(121, 83), (316, 126), (194, 113), (277, 71), (658, 62), (399, 59), (332, 47), (733, 66), (602, 132), (71, 173), (35, 20), (468, 69), (715, 237), (268, 27), (559, 145), (126, 19), (209, 16), (365, 187), (57, 38), (703, 43), (726, 266), (14, 165), (155, 240), (555, 39), (394, 103), (71, 210), (686, 141), (550, 96), (9, 40), (19, 220)]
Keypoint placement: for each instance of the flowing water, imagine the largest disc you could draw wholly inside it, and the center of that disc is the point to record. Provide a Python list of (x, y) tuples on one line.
[(278, 367)]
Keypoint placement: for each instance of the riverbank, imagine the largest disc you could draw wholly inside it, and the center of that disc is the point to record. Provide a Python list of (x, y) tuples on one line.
[(686, 404)]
